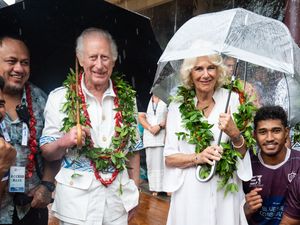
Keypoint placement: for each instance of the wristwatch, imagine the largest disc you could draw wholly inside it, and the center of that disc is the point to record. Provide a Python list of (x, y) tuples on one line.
[(49, 185)]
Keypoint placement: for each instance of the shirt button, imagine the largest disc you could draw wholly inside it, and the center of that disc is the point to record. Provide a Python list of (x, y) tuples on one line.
[(104, 138)]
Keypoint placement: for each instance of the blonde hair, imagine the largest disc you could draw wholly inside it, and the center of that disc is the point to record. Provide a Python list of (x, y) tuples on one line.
[(188, 65)]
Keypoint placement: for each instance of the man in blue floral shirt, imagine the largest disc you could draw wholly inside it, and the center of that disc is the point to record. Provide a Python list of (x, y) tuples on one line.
[(27, 197)]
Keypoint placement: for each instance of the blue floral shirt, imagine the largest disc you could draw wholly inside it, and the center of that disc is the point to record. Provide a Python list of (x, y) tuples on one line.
[(14, 129)]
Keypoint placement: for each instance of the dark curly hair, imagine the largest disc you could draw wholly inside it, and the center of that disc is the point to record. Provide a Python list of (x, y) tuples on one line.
[(271, 113)]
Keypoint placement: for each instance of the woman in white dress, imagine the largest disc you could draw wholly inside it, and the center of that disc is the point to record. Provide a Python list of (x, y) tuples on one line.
[(194, 202), (154, 123)]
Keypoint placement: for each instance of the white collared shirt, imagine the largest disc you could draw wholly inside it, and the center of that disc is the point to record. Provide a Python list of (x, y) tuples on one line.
[(101, 117)]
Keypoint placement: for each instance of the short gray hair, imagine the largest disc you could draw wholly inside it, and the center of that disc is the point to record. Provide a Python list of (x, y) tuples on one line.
[(102, 33), (188, 65)]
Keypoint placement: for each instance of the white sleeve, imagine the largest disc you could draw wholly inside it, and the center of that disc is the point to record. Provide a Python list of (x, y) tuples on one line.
[(53, 117), (173, 177), (173, 119), (244, 168)]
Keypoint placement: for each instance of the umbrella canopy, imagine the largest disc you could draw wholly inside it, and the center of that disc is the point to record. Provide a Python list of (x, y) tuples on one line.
[(238, 33), (50, 28)]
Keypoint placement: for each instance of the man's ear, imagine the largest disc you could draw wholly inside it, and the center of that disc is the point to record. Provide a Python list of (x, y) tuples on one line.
[(287, 132), (79, 58)]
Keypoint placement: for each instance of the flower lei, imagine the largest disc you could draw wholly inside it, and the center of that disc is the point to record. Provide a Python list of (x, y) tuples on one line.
[(125, 125), (32, 143), (200, 135)]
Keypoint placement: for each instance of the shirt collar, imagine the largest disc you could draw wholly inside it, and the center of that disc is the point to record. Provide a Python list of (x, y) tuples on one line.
[(287, 156), (108, 92)]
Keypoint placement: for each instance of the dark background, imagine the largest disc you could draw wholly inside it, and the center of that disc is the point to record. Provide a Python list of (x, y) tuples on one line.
[(50, 28)]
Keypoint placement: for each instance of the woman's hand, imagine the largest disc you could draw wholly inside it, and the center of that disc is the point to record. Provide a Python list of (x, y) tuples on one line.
[(154, 130), (227, 125), (208, 155)]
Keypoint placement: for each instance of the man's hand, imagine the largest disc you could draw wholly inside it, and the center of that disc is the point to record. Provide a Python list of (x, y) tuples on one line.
[(70, 138), (41, 197), (56, 150), (7, 156), (253, 202)]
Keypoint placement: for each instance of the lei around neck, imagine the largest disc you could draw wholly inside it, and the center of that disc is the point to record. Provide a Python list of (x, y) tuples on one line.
[(125, 125), (200, 135)]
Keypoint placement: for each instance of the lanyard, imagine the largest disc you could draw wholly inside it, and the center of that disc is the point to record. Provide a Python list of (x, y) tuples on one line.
[(154, 107), (7, 138)]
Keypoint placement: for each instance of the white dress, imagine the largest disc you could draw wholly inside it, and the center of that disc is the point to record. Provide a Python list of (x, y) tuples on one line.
[(154, 145), (193, 202)]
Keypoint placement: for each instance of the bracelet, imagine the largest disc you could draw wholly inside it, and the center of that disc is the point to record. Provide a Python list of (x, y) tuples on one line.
[(243, 142), (236, 139)]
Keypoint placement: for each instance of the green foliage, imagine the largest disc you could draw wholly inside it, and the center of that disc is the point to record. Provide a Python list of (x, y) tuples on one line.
[(296, 136), (125, 134), (200, 135)]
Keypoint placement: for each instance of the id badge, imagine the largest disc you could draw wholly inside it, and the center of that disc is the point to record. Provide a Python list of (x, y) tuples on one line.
[(17, 179), (4, 131), (24, 134)]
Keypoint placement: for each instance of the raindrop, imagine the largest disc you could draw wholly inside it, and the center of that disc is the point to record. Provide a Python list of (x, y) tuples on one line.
[(124, 54), (116, 21), (20, 31), (23, 4), (126, 41), (137, 31), (120, 60)]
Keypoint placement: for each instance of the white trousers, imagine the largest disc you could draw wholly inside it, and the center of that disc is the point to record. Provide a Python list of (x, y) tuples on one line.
[(85, 201), (155, 168)]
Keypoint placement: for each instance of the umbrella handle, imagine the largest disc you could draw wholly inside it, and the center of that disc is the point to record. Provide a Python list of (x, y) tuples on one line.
[(211, 173)]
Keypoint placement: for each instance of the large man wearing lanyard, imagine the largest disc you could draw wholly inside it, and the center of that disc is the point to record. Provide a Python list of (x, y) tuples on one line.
[(29, 191), (93, 187)]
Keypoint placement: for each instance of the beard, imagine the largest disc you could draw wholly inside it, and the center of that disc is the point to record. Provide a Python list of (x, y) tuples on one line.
[(1, 118), (13, 89)]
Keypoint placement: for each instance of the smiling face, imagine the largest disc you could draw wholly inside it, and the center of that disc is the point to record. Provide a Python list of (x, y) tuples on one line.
[(14, 65), (96, 60), (271, 137), (204, 75)]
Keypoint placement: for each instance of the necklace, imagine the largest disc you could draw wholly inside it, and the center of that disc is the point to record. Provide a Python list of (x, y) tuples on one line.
[(125, 126), (32, 143), (200, 135)]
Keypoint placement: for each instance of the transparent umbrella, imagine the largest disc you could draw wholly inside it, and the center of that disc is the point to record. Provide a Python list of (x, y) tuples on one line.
[(237, 33)]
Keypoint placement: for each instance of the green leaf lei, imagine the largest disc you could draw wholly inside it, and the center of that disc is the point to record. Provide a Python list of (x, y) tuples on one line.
[(125, 127), (200, 135)]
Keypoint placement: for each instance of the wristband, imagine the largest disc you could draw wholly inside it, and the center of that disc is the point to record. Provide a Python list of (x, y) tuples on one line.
[(49, 185), (236, 139), (241, 145)]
